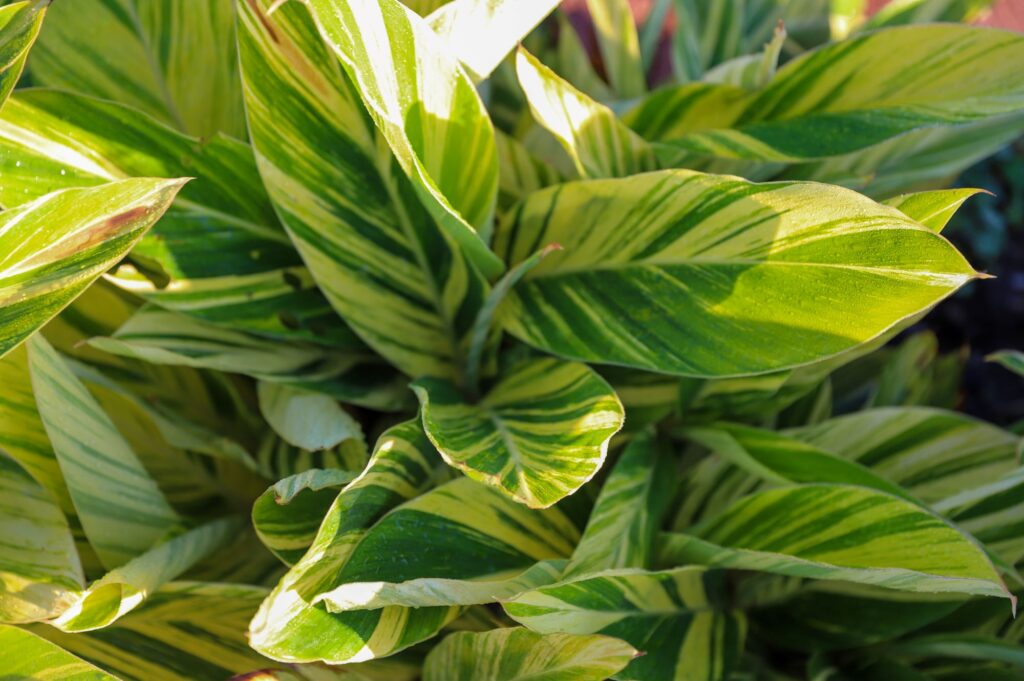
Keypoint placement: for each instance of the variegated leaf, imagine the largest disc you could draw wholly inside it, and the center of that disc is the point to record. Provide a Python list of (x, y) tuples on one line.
[(521, 655), (40, 660), (55, 246), (19, 27), (426, 108), (932, 209), (686, 273), (307, 420), (252, 281), (377, 254), (619, 45), (675, 618), (538, 435), (172, 60), (841, 533), (1011, 359)]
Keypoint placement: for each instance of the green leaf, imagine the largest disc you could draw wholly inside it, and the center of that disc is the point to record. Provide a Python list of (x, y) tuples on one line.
[(622, 527), (521, 655), (840, 533), (39, 567), (704, 275), (120, 506), (983, 648), (538, 435), (57, 245), (675, 618), (253, 281), (425, 537), (427, 110), (599, 144), (901, 12), (287, 516), (992, 512), (1011, 359), (37, 658), (619, 45), (483, 33), (19, 27), (176, 62), (843, 97), (932, 209), (381, 261), (519, 171), (307, 420)]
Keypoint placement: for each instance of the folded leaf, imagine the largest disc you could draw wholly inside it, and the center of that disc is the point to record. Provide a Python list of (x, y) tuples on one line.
[(176, 62), (19, 27), (307, 420), (482, 33), (427, 109), (381, 261), (538, 435), (57, 245), (675, 618), (705, 275), (119, 504), (253, 280), (521, 655), (621, 530), (37, 658), (840, 533)]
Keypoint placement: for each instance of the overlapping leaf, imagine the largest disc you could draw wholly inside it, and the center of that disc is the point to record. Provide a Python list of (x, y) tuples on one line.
[(19, 27), (37, 658)]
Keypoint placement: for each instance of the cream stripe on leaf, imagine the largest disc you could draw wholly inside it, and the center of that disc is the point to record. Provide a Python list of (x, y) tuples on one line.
[(854, 94), (219, 254), (40, 572), (428, 111), (619, 45), (173, 60), (621, 530), (538, 435), (307, 420), (120, 506), (599, 144), (677, 619), (185, 631), (840, 532), (52, 248), (38, 659), (378, 256), (933, 209), (712, 276), (520, 655), (993, 513), (482, 33), (19, 27), (424, 538)]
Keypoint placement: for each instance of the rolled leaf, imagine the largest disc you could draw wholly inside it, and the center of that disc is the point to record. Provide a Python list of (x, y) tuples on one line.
[(57, 245), (841, 533), (19, 27), (538, 435), (521, 655), (685, 273)]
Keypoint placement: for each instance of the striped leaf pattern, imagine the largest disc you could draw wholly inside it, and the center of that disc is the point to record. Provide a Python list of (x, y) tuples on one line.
[(504, 539), (933, 209), (40, 660), (120, 506), (538, 435), (521, 655), (842, 533), (674, 618), (622, 527), (380, 259), (19, 27), (427, 110), (57, 245), (173, 60), (860, 92), (307, 420), (599, 144), (253, 281), (483, 33), (659, 269), (619, 45)]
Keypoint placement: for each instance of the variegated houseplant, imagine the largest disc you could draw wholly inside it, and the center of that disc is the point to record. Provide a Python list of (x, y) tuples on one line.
[(362, 339)]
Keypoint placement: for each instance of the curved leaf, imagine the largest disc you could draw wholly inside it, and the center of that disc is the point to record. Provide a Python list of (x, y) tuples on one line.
[(932, 209), (619, 45), (55, 246), (19, 27), (538, 435), (175, 61), (681, 272), (37, 658), (843, 533), (521, 655), (307, 420), (427, 109)]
